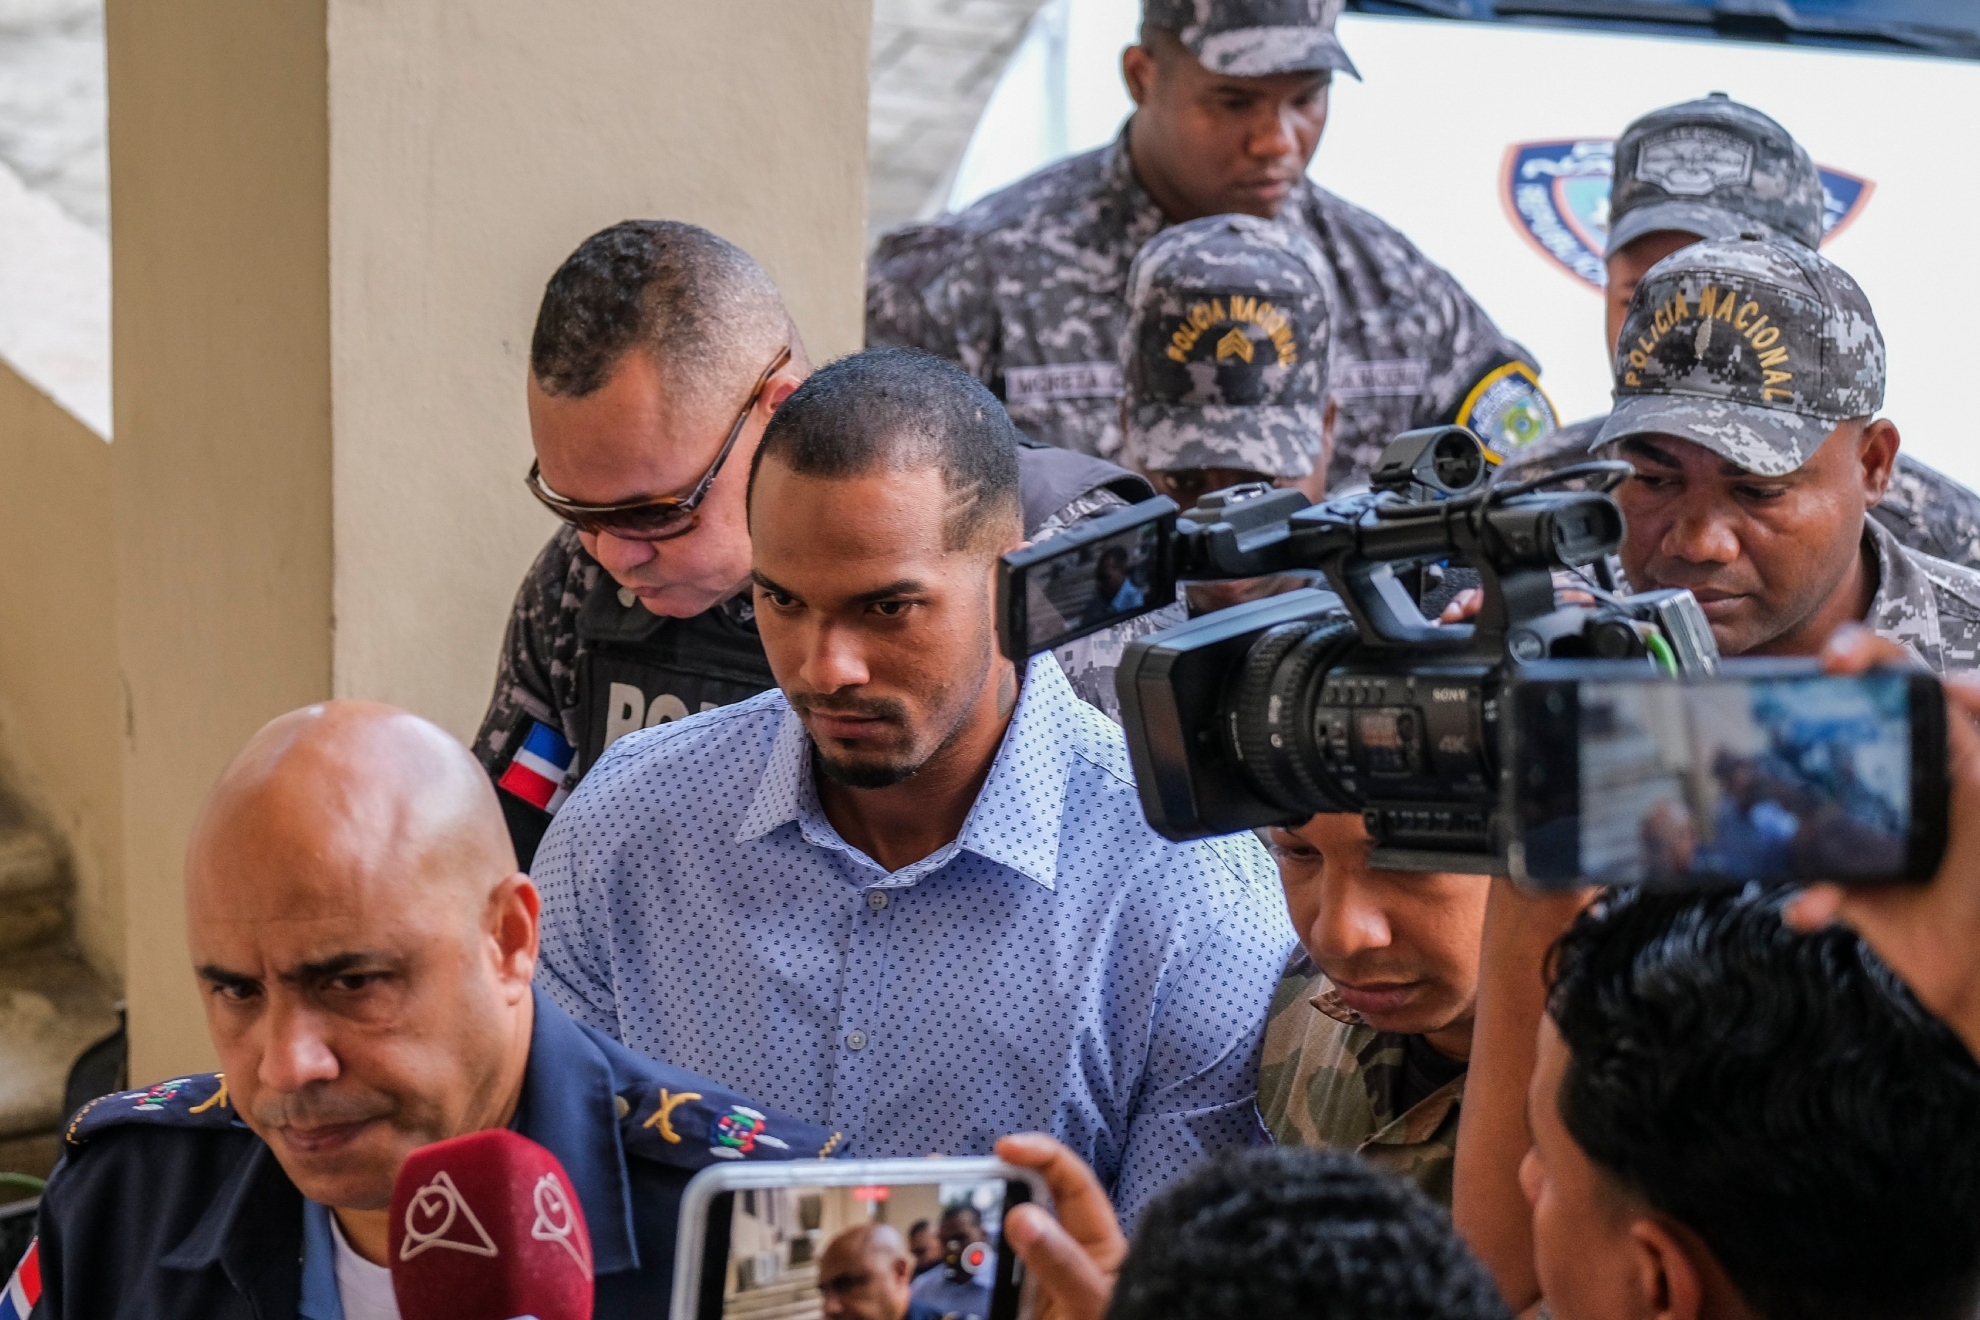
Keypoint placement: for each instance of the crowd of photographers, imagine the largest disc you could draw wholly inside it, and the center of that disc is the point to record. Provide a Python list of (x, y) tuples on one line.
[(766, 844)]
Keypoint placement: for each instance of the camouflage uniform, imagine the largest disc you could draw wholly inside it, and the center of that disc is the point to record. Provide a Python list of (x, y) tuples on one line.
[(1756, 350), (1027, 288), (1326, 1080), (1719, 169), (1930, 605)]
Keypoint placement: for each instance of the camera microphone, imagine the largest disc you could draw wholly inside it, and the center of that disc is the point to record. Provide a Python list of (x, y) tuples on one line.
[(487, 1227)]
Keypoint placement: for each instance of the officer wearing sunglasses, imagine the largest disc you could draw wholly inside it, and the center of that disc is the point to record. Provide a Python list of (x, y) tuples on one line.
[(660, 353)]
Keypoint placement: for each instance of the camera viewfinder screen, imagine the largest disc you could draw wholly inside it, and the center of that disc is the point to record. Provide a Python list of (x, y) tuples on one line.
[(879, 1253), (1091, 585), (1770, 779)]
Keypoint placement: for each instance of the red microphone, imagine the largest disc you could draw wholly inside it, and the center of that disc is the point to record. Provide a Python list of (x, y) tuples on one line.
[(486, 1227)]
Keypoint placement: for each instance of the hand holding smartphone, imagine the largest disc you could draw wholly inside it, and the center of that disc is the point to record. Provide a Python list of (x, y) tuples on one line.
[(820, 1241), (1769, 770)]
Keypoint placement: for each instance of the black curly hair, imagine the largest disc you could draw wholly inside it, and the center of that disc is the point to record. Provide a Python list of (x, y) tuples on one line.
[(1782, 1095), (1284, 1234)]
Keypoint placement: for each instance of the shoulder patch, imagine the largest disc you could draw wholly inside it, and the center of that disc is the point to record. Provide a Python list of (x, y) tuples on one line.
[(538, 769), (1508, 410), (696, 1124), (196, 1101)]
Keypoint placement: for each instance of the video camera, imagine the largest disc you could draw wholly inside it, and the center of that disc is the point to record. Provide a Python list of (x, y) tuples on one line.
[(1312, 701)]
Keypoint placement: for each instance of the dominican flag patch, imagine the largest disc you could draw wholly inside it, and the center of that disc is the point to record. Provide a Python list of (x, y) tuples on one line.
[(536, 773), (24, 1289)]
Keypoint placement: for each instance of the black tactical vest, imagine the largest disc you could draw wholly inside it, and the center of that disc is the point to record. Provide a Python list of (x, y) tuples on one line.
[(638, 669)]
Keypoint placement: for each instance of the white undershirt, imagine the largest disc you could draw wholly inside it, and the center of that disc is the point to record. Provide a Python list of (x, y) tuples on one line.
[(365, 1289)]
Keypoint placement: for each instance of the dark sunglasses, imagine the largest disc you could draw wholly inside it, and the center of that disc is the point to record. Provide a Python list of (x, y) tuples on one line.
[(660, 517)]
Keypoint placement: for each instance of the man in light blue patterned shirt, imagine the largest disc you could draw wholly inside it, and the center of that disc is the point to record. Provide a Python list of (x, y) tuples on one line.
[(904, 893)]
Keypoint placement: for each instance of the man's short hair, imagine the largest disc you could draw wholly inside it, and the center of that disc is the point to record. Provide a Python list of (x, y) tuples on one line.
[(1278, 1233), (694, 301), (964, 1211), (899, 409), (1782, 1095)]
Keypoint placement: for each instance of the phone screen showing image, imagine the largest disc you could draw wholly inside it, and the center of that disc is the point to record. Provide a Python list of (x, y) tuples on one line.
[(1093, 585), (1779, 779), (901, 1251)]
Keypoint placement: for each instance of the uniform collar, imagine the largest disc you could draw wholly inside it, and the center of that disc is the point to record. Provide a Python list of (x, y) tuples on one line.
[(1014, 821), (1904, 608), (1421, 1120), (1329, 1001), (1141, 218), (569, 1108)]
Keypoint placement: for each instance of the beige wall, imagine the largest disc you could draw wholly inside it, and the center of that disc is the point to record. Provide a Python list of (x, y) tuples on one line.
[(61, 708), (221, 399), (472, 147), (331, 222)]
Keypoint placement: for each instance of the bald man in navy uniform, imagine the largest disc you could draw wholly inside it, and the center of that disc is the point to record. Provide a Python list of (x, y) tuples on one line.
[(365, 946)]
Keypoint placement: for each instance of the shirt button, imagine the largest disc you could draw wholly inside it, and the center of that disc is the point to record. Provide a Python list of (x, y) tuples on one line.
[(876, 899), (856, 1040)]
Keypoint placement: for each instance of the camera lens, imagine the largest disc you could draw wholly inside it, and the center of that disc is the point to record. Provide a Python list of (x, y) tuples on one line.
[(1270, 713)]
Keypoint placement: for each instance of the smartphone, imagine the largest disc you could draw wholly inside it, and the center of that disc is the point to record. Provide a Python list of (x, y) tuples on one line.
[(1768, 770), (777, 1239), (1094, 576)]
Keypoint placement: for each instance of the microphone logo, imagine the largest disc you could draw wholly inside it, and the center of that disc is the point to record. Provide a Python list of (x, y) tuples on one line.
[(439, 1216), (554, 1220)]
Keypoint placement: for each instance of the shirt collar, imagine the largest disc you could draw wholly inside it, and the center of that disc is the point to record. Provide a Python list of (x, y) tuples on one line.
[(569, 1108), (1142, 218), (321, 1297), (1013, 822)]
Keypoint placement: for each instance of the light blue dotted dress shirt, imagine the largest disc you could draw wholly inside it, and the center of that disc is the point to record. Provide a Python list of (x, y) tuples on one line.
[(1058, 967)]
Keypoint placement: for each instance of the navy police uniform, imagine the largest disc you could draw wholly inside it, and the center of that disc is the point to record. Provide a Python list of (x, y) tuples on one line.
[(166, 1206), (585, 663)]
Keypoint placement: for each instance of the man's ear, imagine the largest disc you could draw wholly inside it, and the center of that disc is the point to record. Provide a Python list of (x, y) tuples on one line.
[(1138, 70), (515, 912), (1877, 452), (782, 386), (1669, 1283)]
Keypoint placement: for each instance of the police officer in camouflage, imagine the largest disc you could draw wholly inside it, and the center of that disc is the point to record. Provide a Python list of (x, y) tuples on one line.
[(1224, 362), (660, 353), (1027, 287), (365, 949), (1714, 168), (1370, 1031), (1748, 379)]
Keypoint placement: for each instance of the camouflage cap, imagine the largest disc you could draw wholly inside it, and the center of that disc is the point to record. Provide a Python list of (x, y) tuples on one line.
[(1252, 38), (1714, 168), (1225, 349), (1753, 348)]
